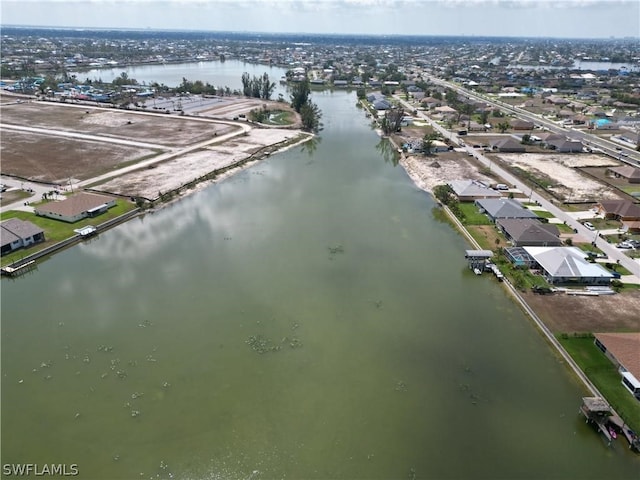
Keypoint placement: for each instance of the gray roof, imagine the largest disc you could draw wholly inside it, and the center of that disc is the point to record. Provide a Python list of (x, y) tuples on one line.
[(626, 171), (14, 229), (567, 262), (529, 230), (504, 208), (508, 144), (472, 188)]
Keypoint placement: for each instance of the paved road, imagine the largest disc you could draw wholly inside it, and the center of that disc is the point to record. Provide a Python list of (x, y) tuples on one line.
[(612, 252), (620, 151)]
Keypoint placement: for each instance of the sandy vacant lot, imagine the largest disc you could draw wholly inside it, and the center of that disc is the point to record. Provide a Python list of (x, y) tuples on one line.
[(430, 171), (52, 154), (563, 170), (157, 128), (173, 174)]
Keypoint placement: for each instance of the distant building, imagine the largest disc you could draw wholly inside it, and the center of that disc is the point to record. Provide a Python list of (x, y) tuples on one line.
[(16, 233), (76, 207)]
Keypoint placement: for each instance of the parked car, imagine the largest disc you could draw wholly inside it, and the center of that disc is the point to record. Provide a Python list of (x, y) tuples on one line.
[(589, 225)]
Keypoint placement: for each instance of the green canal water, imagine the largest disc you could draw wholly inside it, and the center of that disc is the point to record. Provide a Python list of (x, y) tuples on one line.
[(308, 318)]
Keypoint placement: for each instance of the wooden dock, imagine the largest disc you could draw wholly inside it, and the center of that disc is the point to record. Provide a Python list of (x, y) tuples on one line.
[(597, 411), (19, 270)]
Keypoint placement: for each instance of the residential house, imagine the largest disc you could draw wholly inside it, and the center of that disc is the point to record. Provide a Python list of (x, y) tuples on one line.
[(631, 173), (624, 211), (507, 144), (622, 349), (565, 145), (568, 265), (431, 102), (471, 190), (497, 208), (556, 100), (445, 109), (530, 232), (16, 233), (76, 207), (438, 146), (518, 124)]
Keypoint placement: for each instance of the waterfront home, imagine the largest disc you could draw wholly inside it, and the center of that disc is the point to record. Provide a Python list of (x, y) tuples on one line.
[(76, 207), (471, 190), (529, 232), (16, 233), (622, 349), (497, 208), (568, 265)]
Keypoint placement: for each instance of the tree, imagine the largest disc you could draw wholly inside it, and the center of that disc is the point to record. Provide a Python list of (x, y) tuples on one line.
[(427, 142), (300, 95), (246, 84), (267, 87), (503, 126), (392, 120), (484, 117), (310, 115), (468, 109)]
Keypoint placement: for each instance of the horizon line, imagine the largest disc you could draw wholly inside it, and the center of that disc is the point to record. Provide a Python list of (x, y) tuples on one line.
[(325, 34)]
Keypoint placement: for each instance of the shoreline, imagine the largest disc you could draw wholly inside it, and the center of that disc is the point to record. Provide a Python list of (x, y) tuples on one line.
[(183, 191)]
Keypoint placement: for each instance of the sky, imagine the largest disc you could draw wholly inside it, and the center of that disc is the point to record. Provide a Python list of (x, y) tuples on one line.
[(512, 18)]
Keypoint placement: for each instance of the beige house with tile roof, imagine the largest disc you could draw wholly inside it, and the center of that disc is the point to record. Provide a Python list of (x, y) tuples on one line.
[(76, 207)]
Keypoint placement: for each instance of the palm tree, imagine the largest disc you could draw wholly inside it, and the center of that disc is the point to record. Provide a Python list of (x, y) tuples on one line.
[(503, 126)]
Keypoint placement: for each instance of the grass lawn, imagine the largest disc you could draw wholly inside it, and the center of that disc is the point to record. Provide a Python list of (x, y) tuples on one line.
[(604, 376), (563, 228), (487, 236), (55, 230), (543, 213), (631, 189), (472, 215)]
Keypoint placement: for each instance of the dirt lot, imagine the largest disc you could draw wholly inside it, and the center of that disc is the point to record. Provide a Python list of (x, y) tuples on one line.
[(607, 313), (168, 130), (563, 170), (52, 159), (57, 155), (427, 172), (172, 174)]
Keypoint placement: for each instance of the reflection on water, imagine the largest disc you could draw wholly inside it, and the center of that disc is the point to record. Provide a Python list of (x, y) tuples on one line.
[(306, 318)]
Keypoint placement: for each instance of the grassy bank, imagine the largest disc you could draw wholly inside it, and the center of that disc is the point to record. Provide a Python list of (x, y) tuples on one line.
[(55, 230), (604, 375)]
